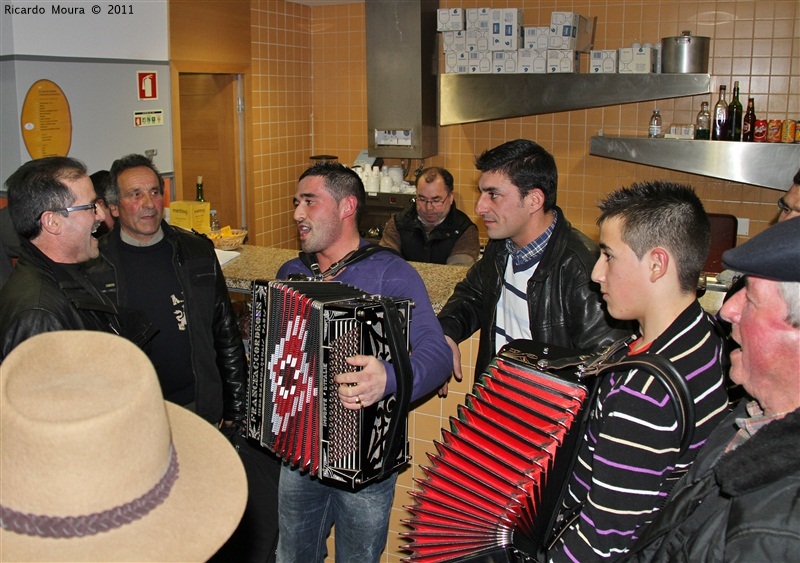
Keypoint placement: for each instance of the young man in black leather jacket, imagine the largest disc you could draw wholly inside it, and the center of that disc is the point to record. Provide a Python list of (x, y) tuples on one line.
[(535, 250)]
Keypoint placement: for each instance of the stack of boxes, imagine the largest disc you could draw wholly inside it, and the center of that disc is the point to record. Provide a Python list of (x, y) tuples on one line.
[(496, 41)]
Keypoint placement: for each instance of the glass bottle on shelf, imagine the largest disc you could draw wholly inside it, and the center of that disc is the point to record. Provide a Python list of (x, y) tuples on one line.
[(735, 115), (749, 122), (654, 131), (702, 128), (719, 131), (199, 194)]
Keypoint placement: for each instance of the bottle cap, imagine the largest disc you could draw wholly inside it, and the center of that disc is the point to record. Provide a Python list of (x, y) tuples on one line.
[(199, 179)]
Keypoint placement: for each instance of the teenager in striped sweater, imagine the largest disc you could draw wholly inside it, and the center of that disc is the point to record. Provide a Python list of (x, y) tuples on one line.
[(654, 239)]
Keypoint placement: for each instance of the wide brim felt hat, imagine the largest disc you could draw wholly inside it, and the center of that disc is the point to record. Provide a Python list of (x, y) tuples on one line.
[(84, 430)]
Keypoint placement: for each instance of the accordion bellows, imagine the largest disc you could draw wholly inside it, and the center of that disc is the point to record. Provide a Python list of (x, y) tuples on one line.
[(487, 492), (302, 333)]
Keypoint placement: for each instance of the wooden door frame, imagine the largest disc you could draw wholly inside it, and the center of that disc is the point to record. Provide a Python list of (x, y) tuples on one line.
[(247, 178)]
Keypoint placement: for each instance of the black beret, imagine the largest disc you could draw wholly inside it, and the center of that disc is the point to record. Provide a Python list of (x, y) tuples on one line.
[(773, 254)]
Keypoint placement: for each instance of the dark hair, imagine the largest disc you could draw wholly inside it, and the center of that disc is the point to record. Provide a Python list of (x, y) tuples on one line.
[(37, 186), (341, 182), (100, 181), (527, 165), (796, 179), (663, 214), (125, 163), (432, 172)]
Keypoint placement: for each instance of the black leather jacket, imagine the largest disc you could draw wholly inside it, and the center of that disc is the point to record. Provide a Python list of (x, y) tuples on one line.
[(565, 307), (743, 505), (436, 247), (218, 358), (43, 296)]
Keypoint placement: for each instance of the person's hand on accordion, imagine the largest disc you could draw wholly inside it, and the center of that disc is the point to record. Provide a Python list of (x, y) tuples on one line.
[(359, 389)]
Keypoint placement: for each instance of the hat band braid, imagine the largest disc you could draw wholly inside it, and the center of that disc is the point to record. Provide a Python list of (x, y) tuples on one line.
[(90, 524)]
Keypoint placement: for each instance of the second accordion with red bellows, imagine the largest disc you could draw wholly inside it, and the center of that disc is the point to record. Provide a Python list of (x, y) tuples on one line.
[(301, 334), (495, 489), (490, 494)]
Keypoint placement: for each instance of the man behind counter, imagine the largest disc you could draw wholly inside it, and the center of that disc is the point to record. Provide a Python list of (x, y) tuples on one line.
[(432, 229)]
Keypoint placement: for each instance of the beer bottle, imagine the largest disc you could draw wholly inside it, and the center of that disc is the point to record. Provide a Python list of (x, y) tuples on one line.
[(749, 122), (719, 132), (199, 196), (735, 115)]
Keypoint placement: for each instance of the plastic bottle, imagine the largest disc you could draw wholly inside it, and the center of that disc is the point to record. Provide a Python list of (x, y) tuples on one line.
[(654, 132), (214, 221), (702, 128)]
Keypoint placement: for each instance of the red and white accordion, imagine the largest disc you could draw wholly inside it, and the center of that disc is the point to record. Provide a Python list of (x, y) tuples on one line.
[(301, 334)]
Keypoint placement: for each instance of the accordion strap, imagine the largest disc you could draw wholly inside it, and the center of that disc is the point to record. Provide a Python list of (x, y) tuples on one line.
[(310, 260), (395, 436)]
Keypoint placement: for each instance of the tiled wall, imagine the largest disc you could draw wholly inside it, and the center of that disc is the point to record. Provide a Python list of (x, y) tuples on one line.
[(310, 98)]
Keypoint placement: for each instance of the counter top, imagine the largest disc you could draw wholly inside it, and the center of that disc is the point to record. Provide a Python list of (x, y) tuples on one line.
[(262, 263)]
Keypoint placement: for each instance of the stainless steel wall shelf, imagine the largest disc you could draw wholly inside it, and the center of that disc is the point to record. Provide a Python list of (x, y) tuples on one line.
[(467, 98), (770, 165)]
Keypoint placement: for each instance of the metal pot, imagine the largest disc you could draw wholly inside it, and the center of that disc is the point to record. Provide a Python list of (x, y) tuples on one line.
[(685, 54)]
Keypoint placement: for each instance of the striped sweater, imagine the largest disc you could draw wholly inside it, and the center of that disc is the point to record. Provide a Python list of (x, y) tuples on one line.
[(628, 460)]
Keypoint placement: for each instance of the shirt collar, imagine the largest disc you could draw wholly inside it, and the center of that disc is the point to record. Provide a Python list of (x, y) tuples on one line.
[(533, 249), (128, 239)]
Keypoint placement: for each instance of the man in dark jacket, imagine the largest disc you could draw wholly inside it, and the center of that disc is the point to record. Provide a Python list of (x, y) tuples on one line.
[(52, 206), (174, 277), (740, 500), (533, 280), (431, 229)]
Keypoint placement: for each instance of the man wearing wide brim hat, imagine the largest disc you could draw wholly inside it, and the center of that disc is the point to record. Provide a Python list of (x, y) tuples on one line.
[(96, 466), (740, 500)]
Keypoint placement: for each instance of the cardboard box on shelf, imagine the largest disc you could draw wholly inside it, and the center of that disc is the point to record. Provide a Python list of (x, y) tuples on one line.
[(455, 62), (450, 19), (562, 60), (570, 30), (603, 61), (191, 215), (454, 41), (535, 38), (532, 61), (506, 30), (636, 60), (478, 18), (504, 62), (480, 62), (477, 40)]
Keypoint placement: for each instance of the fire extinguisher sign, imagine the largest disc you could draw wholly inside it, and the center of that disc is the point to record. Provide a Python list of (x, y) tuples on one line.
[(147, 84)]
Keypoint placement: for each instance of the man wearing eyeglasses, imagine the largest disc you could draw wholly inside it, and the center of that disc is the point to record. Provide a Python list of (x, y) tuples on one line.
[(52, 206), (432, 229), (789, 204)]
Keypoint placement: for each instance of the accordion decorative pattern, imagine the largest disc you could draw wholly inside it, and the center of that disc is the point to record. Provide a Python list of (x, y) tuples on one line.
[(302, 333)]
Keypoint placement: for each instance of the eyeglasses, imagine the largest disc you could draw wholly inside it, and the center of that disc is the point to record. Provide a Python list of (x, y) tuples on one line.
[(783, 206), (433, 202), (92, 206)]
